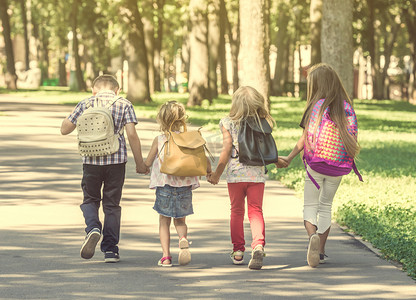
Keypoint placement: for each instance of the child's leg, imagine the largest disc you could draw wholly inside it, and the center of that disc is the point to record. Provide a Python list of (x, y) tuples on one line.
[(237, 192), (184, 256), (181, 227), (164, 234), (311, 201), (310, 216), (255, 193), (329, 188)]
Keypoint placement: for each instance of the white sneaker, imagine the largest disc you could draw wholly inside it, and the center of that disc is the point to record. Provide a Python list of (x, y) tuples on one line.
[(256, 261), (88, 248), (184, 257), (237, 253), (313, 250)]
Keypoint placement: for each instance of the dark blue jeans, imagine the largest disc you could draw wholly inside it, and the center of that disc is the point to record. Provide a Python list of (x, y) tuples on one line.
[(111, 179)]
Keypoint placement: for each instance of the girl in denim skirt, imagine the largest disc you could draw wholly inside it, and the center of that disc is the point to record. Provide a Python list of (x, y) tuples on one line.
[(173, 193)]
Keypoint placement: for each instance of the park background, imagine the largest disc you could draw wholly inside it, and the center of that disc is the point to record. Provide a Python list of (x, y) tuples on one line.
[(200, 51)]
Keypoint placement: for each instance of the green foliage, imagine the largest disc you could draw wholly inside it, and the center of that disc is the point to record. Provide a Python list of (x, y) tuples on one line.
[(391, 228)]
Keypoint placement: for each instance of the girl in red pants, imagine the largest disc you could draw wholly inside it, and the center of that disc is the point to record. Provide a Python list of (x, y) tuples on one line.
[(243, 181)]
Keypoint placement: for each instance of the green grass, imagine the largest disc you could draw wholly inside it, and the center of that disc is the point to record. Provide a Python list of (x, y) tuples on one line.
[(381, 209)]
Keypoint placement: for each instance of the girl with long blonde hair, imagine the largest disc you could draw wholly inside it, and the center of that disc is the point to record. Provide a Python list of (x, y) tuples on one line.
[(243, 180), (326, 92)]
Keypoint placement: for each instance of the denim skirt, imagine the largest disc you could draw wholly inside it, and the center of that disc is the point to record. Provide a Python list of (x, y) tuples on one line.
[(175, 202)]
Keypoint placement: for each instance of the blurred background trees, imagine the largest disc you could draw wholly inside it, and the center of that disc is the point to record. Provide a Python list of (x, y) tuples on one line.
[(209, 47)]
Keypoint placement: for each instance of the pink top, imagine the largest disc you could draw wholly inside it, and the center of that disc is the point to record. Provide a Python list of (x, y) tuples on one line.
[(158, 179)]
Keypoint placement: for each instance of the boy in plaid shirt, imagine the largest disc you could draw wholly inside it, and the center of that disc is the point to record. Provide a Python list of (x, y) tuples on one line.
[(106, 171)]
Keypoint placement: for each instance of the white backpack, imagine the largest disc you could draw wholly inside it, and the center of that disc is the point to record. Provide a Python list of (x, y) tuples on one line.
[(95, 128)]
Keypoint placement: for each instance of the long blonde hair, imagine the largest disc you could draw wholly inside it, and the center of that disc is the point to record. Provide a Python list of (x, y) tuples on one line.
[(324, 83), (171, 116), (248, 102)]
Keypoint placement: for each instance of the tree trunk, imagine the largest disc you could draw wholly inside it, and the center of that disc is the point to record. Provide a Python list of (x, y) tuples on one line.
[(336, 48), (222, 52), (254, 51), (282, 43), (75, 46), (389, 40), (158, 44), (214, 34), (234, 39), (149, 42), (316, 25), (411, 28), (185, 52), (138, 81), (374, 52), (25, 32), (62, 72), (199, 59), (11, 77)]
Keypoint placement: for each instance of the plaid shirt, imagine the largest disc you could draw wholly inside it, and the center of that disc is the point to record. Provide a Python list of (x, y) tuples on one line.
[(123, 113)]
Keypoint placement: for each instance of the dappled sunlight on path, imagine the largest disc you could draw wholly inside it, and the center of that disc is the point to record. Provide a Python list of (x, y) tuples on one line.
[(42, 229)]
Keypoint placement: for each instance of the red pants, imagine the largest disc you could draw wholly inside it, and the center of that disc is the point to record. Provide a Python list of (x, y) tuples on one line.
[(254, 192)]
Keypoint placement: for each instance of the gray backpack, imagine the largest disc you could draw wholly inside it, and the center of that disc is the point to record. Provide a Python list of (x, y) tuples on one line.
[(95, 128)]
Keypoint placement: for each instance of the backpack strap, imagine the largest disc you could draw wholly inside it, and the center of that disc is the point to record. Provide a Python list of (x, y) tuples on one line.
[(309, 174), (262, 159), (114, 100), (354, 167)]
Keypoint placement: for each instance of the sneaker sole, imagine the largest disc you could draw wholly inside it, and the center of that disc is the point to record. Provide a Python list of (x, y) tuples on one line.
[(256, 261), (88, 248), (111, 260), (313, 251), (237, 262), (184, 257)]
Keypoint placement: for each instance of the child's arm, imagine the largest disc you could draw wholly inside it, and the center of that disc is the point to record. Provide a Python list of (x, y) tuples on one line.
[(152, 153), (67, 127), (296, 150), (227, 144), (209, 167), (136, 148)]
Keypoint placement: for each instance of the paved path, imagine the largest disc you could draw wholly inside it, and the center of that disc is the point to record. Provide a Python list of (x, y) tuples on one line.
[(41, 231)]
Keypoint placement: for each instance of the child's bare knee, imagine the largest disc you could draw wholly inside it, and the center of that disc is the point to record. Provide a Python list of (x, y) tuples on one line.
[(164, 220), (179, 221)]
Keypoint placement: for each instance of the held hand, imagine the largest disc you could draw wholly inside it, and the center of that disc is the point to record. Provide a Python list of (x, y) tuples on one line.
[(213, 178), (142, 169), (282, 162)]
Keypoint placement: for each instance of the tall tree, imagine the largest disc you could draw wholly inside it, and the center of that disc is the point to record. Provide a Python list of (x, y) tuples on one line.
[(214, 34), (283, 46), (75, 46), (138, 82), (315, 34), (222, 51), (23, 12), (233, 32), (199, 59), (254, 51), (149, 43), (409, 13), (336, 48), (158, 44), (11, 77)]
